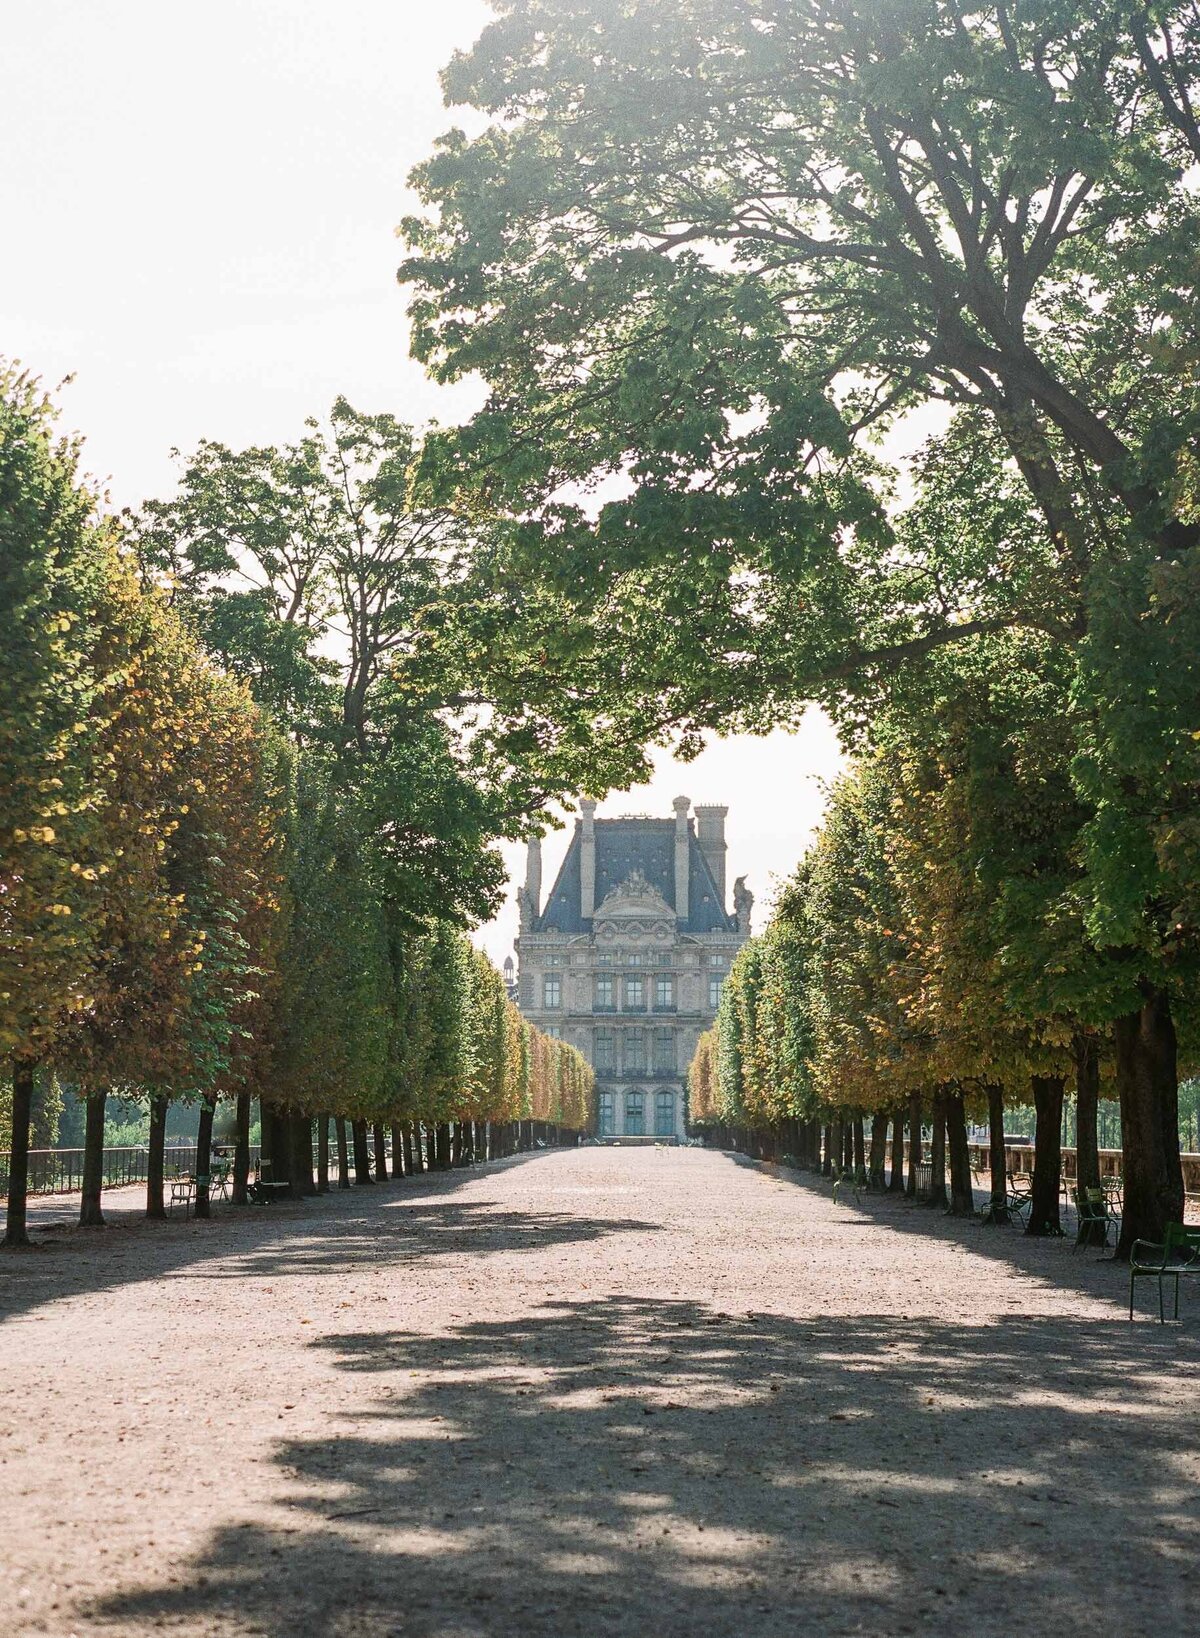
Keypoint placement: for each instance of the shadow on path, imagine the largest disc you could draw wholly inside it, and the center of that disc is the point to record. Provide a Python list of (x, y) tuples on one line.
[(337, 1232), (638, 1467)]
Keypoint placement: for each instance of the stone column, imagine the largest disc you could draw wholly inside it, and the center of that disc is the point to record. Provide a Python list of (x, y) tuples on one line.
[(681, 805), (533, 875), (587, 860)]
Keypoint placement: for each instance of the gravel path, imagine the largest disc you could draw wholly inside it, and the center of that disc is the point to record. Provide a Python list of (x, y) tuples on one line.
[(598, 1391)]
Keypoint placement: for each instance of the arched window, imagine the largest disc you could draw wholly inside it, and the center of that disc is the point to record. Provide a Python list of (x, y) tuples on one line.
[(664, 1114), (635, 1114)]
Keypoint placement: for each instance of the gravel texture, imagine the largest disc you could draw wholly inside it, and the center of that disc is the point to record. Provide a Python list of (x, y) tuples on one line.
[(599, 1391)]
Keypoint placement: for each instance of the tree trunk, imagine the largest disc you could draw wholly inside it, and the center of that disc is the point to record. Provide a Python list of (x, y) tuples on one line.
[(397, 1149), (322, 1154), (90, 1213), (827, 1153), (860, 1149), (914, 1143), (1087, 1144), (875, 1166), (339, 1132), (155, 1206), (456, 1143), (204, 1156), (997, 1211), (362, 1158), (409, 1162), (241, 1151), (838, 1147), (15, 1232), (442, 1145), (1047, 1155), (937, 1155), (896, 1181), (962, 1196), (300, 1147), (1149, 1094), (381, 1171)]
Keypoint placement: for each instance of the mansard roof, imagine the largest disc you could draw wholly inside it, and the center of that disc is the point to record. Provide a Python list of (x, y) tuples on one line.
[(624, 846)]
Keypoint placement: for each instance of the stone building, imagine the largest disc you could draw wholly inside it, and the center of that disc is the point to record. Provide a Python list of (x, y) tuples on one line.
[(626, 957)]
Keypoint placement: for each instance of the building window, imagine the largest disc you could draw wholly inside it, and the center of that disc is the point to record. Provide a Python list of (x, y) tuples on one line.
[(664, 958), (554, 1031), (552, 990), (716, 960), (635, 1052), (604, 958), (633, 959), (606, 1114), (635, 1114), (605, 992), (635, 994), (664, 1114), (605, 1055), (664, 991), (553, 960), (664, 1052), (714, 992)]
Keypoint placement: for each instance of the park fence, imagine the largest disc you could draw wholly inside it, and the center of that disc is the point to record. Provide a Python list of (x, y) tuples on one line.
[(60, 1171)]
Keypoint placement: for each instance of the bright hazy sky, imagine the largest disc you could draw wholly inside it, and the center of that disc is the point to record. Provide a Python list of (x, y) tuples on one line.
[(198, 206)]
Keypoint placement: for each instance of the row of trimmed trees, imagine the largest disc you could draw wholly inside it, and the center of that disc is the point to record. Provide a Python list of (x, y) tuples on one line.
[(198, 901), (932, 960)]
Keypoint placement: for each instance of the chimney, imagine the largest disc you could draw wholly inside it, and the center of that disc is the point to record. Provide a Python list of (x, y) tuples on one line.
[(533, 875), (710, 833), (587, 860), (681, 805)]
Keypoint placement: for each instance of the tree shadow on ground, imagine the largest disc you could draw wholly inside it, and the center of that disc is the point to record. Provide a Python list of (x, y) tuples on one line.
[(1052, 1259), (633, 1466), (338, 1232)]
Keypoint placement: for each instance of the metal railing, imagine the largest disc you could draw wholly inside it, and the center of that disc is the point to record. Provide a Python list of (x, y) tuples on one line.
[(60, 1171)]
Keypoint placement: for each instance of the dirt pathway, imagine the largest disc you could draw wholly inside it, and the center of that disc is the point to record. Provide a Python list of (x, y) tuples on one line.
[(592, 1392)]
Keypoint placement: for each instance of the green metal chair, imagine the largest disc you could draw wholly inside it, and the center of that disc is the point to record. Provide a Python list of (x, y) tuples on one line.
[(1093, 1212), (1177, 1257)]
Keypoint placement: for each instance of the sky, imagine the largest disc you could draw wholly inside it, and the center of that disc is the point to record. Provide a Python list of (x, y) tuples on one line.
[(199, 207)]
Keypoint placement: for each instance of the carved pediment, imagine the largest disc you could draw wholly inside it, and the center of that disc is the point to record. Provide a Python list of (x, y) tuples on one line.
[(635, 896)]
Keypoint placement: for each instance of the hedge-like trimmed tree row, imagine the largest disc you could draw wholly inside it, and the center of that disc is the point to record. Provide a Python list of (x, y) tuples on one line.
[(199, 901)]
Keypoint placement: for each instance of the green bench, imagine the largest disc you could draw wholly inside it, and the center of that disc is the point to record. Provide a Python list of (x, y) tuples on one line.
[(1177, 1258)]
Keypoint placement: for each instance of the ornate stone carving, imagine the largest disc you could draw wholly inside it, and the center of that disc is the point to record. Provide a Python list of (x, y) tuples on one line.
[(743, 903)]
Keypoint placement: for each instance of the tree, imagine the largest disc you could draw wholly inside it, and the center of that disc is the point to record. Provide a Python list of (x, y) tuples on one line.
[(719, 249), (53, 561)]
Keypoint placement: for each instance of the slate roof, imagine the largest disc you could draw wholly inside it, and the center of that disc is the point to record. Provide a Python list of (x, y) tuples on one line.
[(626, 845)]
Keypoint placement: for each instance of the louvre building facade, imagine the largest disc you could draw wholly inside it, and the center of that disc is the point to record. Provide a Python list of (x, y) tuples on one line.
[(626, 956)]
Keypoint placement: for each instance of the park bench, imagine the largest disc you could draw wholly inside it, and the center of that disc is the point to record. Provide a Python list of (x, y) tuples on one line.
[(183, 1192), (1178, 1257), (262, 1191)]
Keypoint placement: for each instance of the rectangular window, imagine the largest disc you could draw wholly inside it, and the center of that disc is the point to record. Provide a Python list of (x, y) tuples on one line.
[(605, 992), (635, 1052), (604, 958), (554, 1031), (716, 960), (633, 959), (664, 1052), (605, 1115), (664, 958), (635, 1114), (635, 994), (714, 992), (664, 991), (552, 990), (605, 1056), (664, 1114)]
